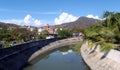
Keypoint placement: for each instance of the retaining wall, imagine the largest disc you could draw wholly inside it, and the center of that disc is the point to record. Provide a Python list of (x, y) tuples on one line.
[(16, 57), (54, 45), (97, 60)]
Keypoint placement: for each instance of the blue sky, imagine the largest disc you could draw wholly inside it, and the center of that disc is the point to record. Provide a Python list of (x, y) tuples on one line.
[(40, 12)]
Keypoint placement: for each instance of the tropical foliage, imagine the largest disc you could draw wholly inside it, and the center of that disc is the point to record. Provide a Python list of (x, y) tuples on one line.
[(43, 35), (106, 33), (64, 33), (12, 36)]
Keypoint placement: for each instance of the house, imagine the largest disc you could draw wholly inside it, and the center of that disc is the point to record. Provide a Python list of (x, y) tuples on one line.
[(40, 30), (51, 30)]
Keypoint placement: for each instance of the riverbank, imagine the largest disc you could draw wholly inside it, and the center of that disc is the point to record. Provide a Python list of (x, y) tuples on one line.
[(97, 60), (64, 58), (54, 45)]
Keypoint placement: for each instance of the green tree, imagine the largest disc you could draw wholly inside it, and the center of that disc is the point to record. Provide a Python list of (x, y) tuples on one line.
[(64, 33), (45, 32), (107, 14), (20, 34), (41, 36), (77, 30), (106, 33), (3, 30)]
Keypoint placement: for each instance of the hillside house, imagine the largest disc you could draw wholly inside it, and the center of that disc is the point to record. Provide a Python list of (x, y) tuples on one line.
[(51, 30)]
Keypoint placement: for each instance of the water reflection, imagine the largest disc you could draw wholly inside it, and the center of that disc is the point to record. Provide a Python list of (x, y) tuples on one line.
[(61, 59), (65, 53)]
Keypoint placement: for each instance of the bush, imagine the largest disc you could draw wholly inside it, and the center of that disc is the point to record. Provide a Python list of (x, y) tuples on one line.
[(64, 33), (42, 36)]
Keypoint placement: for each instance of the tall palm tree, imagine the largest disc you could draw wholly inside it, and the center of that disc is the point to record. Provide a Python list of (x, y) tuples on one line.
[(107, 14), (107, 33)]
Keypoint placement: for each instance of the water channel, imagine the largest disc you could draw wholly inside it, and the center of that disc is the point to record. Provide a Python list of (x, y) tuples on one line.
[(66, 58)]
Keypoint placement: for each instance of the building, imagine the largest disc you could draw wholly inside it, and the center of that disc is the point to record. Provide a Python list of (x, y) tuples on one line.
[(40, 30), (51, 30)]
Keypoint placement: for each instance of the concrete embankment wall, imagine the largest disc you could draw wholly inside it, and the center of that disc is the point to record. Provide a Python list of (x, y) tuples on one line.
[(16, 57), (97, 60), (54, 45)]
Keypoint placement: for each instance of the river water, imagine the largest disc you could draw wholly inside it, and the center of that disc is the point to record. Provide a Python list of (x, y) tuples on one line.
[(67, 58)]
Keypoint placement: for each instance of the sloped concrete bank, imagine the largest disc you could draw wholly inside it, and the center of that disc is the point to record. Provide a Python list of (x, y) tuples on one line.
[(16, 57), (97, 60), (54, 45)]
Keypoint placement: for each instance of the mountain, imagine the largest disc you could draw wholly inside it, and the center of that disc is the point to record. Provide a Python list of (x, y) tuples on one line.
[(82, 22), (2, 24)]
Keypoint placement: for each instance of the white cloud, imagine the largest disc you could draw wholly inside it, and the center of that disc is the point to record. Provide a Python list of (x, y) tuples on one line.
[(65, 17), (37, 22), (27, 20), (65, 53), (92, 16)]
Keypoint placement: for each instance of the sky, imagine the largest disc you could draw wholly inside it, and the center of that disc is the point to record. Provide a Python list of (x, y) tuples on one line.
[(53, 12)]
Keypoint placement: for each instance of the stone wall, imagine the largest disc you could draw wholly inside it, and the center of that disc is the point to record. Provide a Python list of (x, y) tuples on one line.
[(97, 60), (16, 57), (54, 45)]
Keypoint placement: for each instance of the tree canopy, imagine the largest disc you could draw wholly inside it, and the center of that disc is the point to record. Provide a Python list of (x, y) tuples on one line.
[(64, 33), (18, 35), (107, 32)]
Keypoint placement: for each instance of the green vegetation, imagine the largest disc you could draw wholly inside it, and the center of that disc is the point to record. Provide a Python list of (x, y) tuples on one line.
[(77, 48), (44, 34), (77, 30), (106, 33), (64, 33), (9, 37)]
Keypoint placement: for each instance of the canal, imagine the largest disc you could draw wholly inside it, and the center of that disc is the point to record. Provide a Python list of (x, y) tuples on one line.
[(66, 58)]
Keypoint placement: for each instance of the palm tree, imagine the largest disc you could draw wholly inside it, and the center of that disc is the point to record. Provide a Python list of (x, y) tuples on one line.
[(107, 33), (107, 14)]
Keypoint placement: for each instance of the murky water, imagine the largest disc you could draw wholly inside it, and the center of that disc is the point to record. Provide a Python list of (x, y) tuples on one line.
[(66, 58)]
